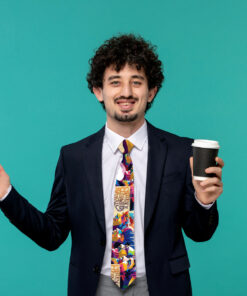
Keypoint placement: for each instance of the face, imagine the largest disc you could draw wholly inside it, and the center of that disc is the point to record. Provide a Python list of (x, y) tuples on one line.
[(125, 94)]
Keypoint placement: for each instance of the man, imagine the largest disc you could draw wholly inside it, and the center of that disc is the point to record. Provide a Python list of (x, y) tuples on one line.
[(125, 192)]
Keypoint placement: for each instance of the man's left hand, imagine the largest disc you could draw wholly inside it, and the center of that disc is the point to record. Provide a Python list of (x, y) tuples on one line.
[(209, 190)]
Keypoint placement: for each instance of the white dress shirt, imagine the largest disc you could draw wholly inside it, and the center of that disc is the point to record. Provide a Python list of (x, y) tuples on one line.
[(111, 158)]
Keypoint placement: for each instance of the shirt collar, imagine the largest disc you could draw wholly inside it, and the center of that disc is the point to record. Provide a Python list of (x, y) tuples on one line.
[(138, 138)]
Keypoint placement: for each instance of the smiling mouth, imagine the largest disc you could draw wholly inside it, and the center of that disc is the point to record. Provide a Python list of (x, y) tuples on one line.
[(126, 104)]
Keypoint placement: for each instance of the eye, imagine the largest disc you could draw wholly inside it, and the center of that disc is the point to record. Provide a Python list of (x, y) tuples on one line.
[(137, 83), (115, 82)]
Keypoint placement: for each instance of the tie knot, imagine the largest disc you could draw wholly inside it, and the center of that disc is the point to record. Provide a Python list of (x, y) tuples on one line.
[(125, 146)]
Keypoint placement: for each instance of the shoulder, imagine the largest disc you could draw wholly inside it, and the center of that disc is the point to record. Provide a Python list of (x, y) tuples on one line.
[(173, 141), (83, 143)]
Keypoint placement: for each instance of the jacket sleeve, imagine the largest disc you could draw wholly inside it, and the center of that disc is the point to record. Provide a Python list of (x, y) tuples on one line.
[(198, 223), (49, 229)]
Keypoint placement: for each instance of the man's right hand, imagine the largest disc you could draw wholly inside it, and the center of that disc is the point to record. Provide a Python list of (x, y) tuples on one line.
[(4, 182)]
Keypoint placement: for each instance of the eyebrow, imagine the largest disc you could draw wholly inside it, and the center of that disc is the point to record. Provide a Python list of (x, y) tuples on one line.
[(113, 77), (118, 76)]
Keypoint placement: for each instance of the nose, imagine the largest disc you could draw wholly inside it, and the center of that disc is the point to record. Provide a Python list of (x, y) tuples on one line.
[(126, 90)]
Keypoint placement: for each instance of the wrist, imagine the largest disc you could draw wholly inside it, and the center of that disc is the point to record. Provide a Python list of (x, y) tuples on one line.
[(5, 192), (203, 201)]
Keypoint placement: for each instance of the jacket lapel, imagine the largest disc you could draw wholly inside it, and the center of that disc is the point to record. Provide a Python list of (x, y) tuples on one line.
[(157, 152), (93, 165)]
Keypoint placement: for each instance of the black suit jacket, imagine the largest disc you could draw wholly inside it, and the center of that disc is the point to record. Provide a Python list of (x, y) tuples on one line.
[(77, 205)]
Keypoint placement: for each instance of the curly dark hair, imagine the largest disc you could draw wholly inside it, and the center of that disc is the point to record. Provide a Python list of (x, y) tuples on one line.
[(126, 49)]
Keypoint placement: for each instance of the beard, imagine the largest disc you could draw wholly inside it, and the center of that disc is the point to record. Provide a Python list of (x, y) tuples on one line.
[(126, 117)]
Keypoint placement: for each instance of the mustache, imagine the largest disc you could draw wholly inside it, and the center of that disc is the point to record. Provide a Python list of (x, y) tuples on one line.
[(125, 98)]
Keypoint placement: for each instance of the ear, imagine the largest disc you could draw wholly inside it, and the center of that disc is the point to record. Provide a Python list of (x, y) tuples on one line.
[(98, 93), (151, 94)]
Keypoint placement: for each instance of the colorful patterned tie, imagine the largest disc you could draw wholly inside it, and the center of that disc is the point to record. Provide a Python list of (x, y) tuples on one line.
[(123, 266)]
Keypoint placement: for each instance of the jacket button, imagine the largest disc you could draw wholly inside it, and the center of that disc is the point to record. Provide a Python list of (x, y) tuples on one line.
[(102, 242), (96, 269)]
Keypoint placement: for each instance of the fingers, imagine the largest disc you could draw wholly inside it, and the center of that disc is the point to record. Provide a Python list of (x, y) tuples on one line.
[(213, 189), (191, 164), (1, 169), (211, 181), (213, 185), (220, 161), (214, 170)]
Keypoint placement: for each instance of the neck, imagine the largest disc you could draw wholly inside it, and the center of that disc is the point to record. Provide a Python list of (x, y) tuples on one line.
[(125, 129)]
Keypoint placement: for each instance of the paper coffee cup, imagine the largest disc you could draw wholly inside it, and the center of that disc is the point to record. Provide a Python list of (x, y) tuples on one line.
[(204, 153)]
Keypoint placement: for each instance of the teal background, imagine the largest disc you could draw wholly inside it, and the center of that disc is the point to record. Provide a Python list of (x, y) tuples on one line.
[(45, 103)]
